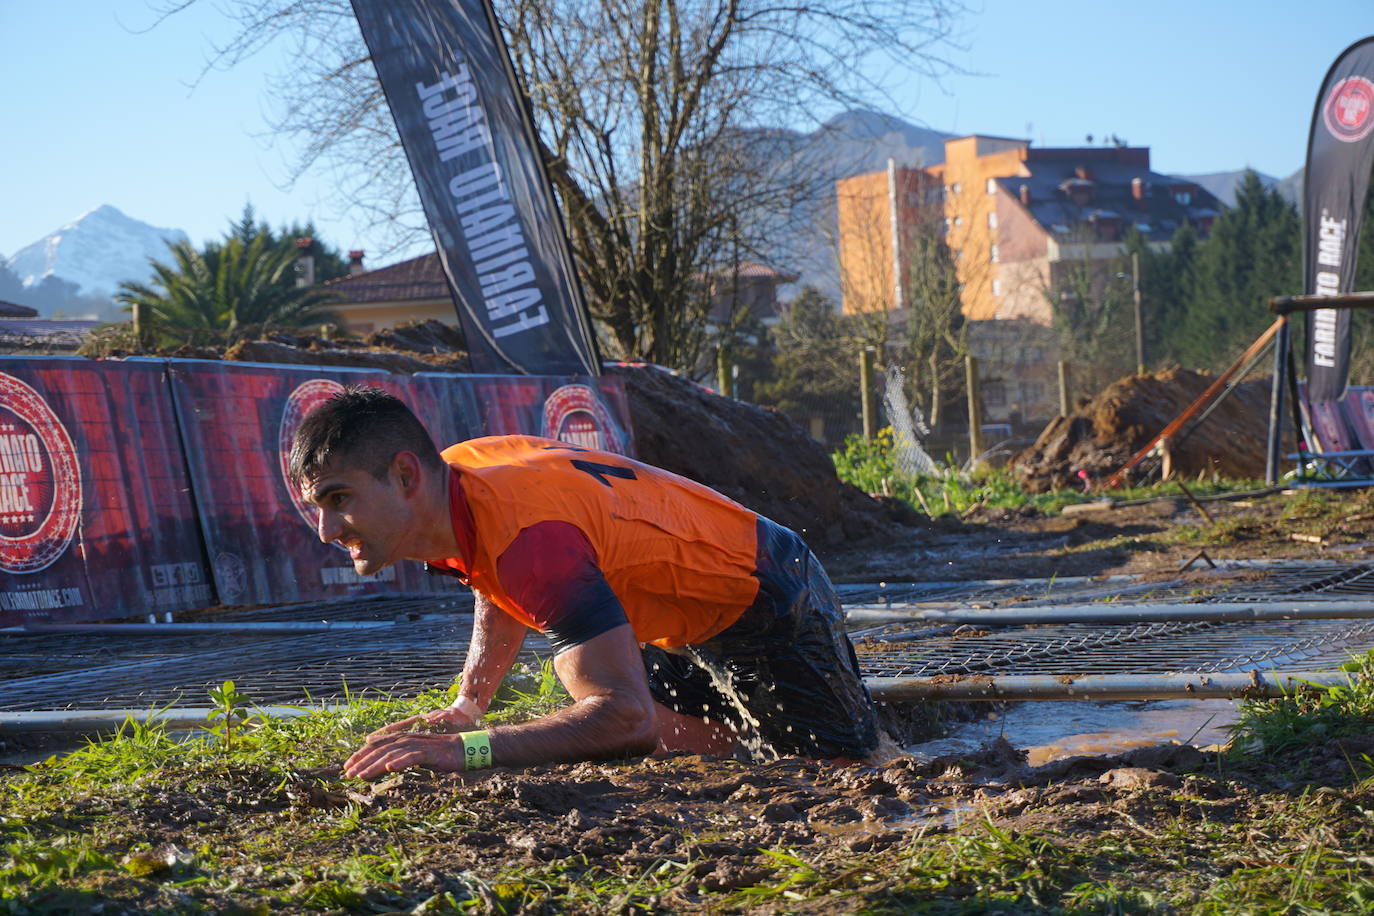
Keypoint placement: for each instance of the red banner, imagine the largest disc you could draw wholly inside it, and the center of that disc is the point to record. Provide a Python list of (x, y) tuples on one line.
[(96, 518), (145, 486), (237, 421)]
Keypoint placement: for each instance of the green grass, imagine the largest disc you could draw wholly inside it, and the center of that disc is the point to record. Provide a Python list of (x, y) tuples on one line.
[(90, 829), (1310, 716), (871, 466)]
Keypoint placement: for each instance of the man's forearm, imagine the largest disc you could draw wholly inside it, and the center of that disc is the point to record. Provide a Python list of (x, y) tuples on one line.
[(594, 728), (496, 641)]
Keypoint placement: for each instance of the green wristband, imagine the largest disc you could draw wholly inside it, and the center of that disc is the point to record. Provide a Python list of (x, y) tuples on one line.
[(476, 750)]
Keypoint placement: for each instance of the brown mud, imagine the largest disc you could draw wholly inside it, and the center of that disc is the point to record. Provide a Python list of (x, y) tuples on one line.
[(1103, 433), (713, 825), (1164, 537)]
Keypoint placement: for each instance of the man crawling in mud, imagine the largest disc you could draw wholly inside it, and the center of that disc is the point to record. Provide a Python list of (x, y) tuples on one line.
[(658, 595)]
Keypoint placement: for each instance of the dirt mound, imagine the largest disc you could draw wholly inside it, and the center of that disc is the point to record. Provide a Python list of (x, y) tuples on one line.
[(429, 336), (281, 352), (1102, 434), (754, 455)]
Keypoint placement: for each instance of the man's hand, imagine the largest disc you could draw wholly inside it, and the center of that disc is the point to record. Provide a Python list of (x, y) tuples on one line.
[(390, 753), (447, 720)]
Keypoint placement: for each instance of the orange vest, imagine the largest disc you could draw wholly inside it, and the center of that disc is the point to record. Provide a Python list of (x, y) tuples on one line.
[(678, 555)]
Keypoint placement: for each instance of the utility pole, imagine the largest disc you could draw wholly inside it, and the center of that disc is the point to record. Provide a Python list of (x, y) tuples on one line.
[(866, 390), (1139, 318), (975, 409)]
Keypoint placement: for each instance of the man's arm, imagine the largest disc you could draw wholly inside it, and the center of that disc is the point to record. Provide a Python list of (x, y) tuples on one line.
[(496, 641), (612, 716)]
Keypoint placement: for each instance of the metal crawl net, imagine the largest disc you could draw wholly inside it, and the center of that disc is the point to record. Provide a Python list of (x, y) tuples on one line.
[(412, 644)]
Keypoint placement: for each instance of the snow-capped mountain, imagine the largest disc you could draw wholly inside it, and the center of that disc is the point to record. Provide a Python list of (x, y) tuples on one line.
[(96, 250)]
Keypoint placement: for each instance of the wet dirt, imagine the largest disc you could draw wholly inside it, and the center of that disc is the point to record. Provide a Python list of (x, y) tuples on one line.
[(1053, 730), (1160, 538), (1103, 432), (716, 824)]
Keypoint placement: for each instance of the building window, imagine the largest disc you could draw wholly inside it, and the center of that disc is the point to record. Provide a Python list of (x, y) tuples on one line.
[(1032, 392), (1183, 197), (996, 286), (992, 219), (992, 185), (995, 393), (993, 255)]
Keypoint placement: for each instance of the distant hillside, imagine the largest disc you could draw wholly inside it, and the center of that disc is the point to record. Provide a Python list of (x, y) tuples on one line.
[(1224, 184), (848, 144)]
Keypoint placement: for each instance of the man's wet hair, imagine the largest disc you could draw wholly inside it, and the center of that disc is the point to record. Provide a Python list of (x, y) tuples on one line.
[(360, 427)]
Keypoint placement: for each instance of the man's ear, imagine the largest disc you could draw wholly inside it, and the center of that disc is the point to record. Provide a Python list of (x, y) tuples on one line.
[(408, 470)]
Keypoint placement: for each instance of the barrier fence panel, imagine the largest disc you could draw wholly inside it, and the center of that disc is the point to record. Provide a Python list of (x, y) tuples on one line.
[(130, 487), (593, 413), (237, 420), (96, 517)]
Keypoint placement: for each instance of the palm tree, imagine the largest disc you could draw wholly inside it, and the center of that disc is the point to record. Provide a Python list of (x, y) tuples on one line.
[(229, 286)]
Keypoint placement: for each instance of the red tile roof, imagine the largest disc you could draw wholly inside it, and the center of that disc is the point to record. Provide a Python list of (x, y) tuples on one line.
[(406, 281)]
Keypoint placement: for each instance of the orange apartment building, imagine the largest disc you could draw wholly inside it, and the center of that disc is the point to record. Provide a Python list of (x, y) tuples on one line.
[(1016, 219)]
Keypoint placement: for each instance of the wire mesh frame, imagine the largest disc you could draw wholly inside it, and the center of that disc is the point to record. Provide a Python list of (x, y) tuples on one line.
[(1311, 581), (1143, 648), (425, 649)]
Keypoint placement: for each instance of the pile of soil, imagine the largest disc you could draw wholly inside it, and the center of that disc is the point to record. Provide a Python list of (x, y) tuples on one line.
[(1104, 432), (754, 455)]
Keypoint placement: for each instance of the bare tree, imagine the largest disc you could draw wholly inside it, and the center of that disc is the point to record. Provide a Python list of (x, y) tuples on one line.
[(934, 340), (1089, 293), (653, 115), (902, 291)]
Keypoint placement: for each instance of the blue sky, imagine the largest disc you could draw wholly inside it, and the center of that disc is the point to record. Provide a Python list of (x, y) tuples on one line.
[(97, 110)]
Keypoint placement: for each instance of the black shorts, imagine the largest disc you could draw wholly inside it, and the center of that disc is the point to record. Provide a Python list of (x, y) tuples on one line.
[(788, 658)]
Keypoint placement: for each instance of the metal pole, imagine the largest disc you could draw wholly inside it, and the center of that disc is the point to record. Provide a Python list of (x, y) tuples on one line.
[(193, 629), (1197, 686), (866, 391), (1063, 388), (1272, 461), (1117, 613), (975, 409), (142, 316), (94, 721), (1139, 319)]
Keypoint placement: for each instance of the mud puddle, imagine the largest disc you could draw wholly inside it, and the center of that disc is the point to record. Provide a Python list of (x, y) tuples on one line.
[(1054, 730)]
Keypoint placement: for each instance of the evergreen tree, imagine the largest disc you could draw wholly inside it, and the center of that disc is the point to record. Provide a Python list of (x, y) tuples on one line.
[(1166, 279), (815, 365), (1253, 254), (232, 286)]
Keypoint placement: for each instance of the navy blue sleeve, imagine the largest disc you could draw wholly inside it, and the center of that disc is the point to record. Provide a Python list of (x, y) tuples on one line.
[(550, 570)]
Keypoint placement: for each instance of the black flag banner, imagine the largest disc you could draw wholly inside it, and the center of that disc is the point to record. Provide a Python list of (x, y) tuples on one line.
[(471, 145), (1340, 153)]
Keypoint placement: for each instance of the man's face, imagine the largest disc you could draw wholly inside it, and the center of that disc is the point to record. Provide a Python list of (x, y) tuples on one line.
[(369, 517)]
